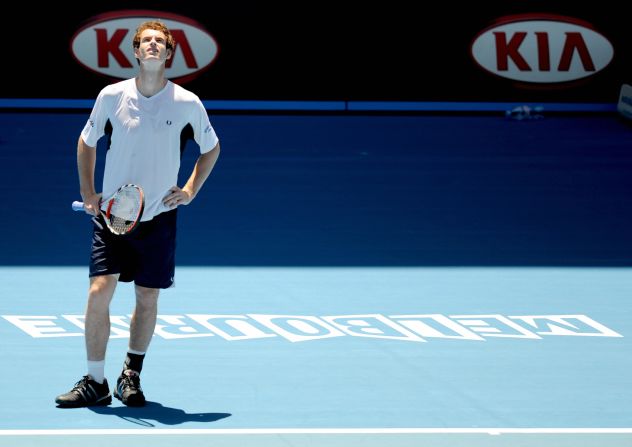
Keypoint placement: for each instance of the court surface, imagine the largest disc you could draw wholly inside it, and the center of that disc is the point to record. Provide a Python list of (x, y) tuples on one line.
[(363, 280)]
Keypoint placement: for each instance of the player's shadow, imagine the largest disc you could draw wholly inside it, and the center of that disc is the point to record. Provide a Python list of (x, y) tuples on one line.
[(154, 411)]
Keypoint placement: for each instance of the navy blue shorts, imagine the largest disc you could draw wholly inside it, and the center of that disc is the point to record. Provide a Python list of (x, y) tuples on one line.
[(145, 256)]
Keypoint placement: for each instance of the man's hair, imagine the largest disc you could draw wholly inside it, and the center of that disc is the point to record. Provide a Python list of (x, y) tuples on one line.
[(155, 25)]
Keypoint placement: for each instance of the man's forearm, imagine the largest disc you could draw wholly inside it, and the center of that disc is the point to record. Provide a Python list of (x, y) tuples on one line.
[(201, 171), (86, 160)]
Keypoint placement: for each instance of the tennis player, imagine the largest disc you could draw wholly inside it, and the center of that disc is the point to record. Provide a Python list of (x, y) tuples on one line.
[(147, 120)]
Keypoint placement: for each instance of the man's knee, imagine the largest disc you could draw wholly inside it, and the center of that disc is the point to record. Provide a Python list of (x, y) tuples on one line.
[(147, 297), (102, 288)]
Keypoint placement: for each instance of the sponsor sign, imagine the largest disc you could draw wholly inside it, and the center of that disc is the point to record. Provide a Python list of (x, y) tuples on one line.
[(539, 48), (104, 45)]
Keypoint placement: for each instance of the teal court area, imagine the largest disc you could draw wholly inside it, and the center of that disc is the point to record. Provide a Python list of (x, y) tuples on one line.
[(332, 356)]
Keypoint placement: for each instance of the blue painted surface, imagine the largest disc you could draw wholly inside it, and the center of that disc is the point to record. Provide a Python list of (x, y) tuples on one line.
[(560, 380), (354, 191)]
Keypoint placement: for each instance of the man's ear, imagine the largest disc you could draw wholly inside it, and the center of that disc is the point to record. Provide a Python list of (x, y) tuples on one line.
[(169, 53)]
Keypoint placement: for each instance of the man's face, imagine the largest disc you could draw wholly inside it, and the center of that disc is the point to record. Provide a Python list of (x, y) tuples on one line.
[(152, 48)]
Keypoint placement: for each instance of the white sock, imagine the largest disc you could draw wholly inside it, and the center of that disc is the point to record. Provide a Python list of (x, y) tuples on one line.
[(96, 369), (133, 351)]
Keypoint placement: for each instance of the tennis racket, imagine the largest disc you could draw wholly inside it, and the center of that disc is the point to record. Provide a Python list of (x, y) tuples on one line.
[(123, 210)]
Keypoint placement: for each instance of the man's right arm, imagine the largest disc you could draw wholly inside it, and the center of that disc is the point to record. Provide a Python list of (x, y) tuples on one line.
[(86, 162)]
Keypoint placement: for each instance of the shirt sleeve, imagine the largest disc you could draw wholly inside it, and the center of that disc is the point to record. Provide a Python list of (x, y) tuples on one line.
[(203, 131), (95, 126)]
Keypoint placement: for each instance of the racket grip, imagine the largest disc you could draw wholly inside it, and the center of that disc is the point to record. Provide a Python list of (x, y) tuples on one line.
[(77, 206)]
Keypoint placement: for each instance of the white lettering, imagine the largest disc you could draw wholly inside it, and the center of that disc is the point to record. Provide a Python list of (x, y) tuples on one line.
[(39, 326), (175, 328), (494, 326), (571, 325), (435, 326), (372, 325), (298, 327), (295, 328), (230, 327)]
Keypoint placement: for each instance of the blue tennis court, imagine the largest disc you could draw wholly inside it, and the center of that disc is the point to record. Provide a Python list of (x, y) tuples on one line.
[(415, 280)]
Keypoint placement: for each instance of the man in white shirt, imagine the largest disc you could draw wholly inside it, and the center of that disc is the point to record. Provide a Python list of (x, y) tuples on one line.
[(145, 119)]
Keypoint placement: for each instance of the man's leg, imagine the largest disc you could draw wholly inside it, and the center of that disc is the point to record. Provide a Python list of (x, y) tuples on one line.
[(144, 318), (142, 327), (98, 315), (93, 388)]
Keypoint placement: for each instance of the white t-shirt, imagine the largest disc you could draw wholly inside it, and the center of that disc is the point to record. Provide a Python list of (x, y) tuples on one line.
[(145, 142)]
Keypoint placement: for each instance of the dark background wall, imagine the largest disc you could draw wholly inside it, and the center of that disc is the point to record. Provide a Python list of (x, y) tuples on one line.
[(320, 50), (344, 190)]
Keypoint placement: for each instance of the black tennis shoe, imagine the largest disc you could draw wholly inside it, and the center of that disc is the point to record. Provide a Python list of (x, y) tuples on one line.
[(86, 393), (128, 389)]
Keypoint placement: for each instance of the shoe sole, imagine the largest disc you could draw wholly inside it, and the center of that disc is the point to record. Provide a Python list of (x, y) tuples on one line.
[(131, 402), (102, 402)]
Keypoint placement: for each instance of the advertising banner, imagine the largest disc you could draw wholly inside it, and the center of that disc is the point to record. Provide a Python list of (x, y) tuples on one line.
[(547, 51)]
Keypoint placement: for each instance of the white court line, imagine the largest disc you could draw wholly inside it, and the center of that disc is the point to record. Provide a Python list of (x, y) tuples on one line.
[(277, 431)]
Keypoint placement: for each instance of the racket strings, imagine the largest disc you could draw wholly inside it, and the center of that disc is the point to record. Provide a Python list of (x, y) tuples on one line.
[(125, 210), (119, 225)]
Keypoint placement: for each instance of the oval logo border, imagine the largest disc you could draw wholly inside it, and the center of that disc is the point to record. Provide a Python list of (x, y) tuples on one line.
[(542, 17), (142, 15)]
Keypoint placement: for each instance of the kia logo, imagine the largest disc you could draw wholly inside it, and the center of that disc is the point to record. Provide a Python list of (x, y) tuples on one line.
[(541, 48), (104, 45)]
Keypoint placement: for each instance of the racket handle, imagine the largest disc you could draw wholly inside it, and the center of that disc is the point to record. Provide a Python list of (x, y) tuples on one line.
[(77, 206)]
